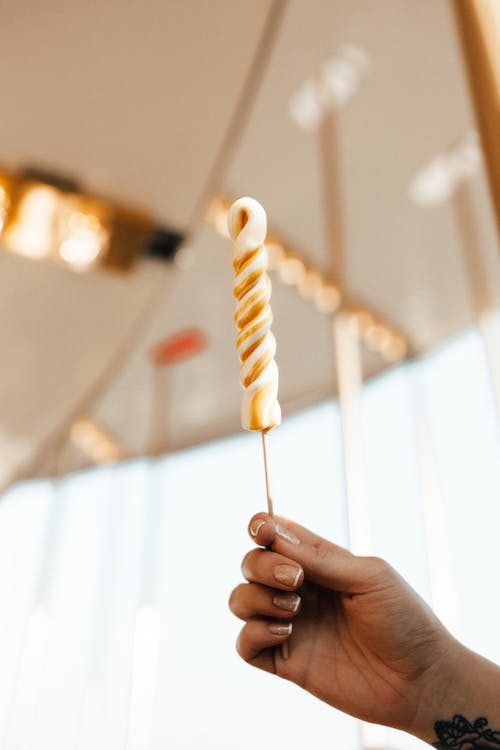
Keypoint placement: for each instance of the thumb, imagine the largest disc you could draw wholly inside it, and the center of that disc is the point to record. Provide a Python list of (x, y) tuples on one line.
[(324, 563)]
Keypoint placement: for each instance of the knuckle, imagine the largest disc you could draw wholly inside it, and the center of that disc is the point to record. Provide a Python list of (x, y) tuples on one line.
[(236, 601), (378, 567), (246, 564), (233, 599), (241, 649), (322, 554), (249, 566)]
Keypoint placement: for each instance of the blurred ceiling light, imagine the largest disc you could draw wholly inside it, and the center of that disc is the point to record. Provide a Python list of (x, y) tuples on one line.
[(291, 270), (376, 337), (86, 239), (338, 79), (307, 105), (379, 337), (276, 252), (394, 349), (341, 74), (42, 217), (364, 320), (327, 298), (216, 215), (438, 179), (95, 442), (31, 228), (310, 283), (4, 205)]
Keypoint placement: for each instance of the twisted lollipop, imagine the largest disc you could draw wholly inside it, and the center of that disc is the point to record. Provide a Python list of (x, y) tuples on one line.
[(260, 409)]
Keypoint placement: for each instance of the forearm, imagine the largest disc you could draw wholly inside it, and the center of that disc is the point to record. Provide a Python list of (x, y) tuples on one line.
[(460, 706)]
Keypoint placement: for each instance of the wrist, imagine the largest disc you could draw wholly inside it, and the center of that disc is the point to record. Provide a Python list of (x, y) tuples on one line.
[(442, 690), (460, 684)]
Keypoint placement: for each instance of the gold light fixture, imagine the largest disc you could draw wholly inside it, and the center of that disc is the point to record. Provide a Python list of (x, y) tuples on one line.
[(49, 220), (217, 215), (86, 238), (4, 200), (327, 297), (44, 223), (29, 226), (275, 251), (394, 349), (312, 285), (379, 337), (94, 441), (291, 270)]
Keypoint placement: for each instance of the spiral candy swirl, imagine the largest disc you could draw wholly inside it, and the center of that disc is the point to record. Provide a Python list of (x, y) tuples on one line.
[(260, 409)]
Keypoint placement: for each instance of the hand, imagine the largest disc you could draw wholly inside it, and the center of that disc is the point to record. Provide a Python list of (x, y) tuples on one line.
[(363, 640)]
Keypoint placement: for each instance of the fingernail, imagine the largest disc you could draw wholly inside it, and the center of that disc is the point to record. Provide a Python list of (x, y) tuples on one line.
[(279, 628), (256, 525), (287, 535), (290, 602), (289, 575)]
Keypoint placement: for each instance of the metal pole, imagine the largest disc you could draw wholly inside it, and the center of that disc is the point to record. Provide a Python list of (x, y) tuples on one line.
[(478, 281), (478, 24), (348, 366)]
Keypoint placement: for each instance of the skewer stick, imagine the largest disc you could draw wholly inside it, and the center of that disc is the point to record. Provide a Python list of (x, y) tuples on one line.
[(265, 448), (285, 653)]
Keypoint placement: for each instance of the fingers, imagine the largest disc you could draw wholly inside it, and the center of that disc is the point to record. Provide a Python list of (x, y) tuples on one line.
[(323, 562), (256, 639), (249, 600), (262, 529), (272, 569)]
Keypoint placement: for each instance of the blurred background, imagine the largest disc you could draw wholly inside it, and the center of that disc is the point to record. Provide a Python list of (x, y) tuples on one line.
[(369, 131)]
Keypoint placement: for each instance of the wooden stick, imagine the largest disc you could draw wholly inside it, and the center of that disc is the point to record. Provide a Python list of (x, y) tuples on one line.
[(265, 447)]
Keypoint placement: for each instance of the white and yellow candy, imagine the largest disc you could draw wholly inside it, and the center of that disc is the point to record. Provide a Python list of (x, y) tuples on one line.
[(260, 409)]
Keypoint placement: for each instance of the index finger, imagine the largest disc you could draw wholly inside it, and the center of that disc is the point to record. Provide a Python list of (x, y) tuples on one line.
[(324, 562)]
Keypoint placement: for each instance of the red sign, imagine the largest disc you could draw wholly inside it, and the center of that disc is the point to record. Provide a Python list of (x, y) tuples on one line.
[(178, 347)]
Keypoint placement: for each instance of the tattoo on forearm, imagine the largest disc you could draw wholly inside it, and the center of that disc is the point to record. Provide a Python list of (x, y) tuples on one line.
[(460, 734)]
